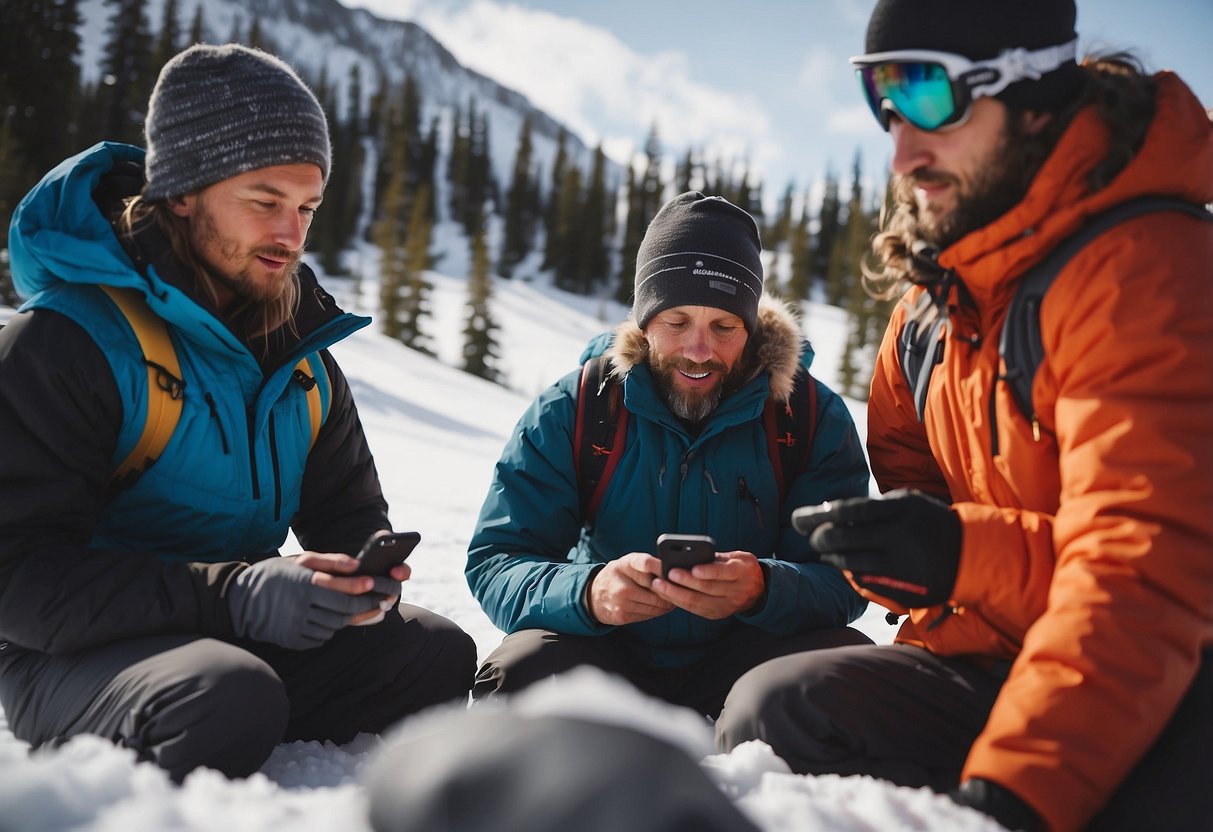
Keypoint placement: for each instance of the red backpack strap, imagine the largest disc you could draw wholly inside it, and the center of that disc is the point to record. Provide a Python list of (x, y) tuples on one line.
[(790, 427), (599, 435)]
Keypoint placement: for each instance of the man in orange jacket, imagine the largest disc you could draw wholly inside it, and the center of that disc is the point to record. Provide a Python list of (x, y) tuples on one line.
[(1057, 567)]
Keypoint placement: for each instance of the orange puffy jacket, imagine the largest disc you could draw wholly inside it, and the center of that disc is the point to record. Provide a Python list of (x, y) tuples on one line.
[(1087, 554)]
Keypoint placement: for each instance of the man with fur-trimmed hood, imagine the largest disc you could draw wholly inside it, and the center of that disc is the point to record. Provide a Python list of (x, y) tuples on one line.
[(696, 364)]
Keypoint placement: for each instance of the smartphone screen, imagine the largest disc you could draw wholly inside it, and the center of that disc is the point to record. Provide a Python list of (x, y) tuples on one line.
[(682, 551), (384, 550)]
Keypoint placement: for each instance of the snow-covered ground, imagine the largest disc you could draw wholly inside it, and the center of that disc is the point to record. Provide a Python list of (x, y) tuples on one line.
[(436, 433)]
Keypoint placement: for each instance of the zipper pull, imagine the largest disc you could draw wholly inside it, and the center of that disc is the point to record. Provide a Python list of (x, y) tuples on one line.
[(1035, 428)]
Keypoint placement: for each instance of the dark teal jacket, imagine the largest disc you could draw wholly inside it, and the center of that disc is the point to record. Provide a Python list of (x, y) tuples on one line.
[(531, 557)]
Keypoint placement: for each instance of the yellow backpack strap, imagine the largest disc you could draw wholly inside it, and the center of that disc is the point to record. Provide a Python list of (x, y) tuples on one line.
[(165, 388), (310, 372)]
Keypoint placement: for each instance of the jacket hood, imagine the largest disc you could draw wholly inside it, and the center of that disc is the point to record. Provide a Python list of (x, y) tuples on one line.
[(1175, 159), (58, 234), (775, 347)]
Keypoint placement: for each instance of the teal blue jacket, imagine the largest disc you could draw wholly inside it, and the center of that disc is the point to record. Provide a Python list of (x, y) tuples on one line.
[(531, 556), (240, 464)]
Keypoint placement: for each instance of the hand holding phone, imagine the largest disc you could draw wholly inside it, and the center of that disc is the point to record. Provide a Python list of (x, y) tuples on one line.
[(385, 549), (682, 551)]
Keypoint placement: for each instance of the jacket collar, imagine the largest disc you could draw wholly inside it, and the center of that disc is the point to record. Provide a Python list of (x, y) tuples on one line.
[(774, 347)]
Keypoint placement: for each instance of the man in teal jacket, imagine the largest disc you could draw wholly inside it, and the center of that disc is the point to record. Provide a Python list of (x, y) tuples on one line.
[(697, 361), (152, 608)]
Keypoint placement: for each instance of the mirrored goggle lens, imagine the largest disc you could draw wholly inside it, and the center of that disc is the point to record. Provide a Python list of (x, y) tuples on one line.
[(919, 92)]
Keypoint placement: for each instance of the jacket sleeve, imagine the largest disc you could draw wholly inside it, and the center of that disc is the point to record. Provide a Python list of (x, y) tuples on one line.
[(1128, 336), (802, 593), (518, 564), (60, 416), (341, 502)]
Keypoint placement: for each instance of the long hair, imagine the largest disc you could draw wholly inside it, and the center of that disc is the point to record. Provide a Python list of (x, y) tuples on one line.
[(252, 319), (1123, 96)]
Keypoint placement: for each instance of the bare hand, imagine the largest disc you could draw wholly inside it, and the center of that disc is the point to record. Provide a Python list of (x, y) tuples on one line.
[(732, 584), (620, 593), (333, 571)]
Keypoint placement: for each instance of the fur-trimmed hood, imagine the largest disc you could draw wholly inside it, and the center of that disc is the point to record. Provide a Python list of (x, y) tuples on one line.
[(774, 347)]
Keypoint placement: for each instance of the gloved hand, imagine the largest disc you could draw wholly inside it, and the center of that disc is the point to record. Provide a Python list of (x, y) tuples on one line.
[(904, 546), (1002, 804), (274, 600)]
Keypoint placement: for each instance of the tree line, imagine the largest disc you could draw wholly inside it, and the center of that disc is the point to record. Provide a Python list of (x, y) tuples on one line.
[(579, 224)]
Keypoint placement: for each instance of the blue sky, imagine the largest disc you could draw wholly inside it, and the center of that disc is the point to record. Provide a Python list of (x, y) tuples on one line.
[(765, 81)]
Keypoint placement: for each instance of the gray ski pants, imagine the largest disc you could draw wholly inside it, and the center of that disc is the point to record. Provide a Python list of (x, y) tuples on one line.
[(186, 701)]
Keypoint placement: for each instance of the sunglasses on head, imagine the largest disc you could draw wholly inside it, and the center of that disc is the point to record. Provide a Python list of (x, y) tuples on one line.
[(936, 90)]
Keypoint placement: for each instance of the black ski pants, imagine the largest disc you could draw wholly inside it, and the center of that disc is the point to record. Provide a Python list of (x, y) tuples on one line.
[(903, 714), (187, 701), (527, 656)]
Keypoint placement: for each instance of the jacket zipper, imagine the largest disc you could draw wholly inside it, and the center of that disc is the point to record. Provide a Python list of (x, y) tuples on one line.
[(277, 476), (744, 493), (252, 452), (210, 402)]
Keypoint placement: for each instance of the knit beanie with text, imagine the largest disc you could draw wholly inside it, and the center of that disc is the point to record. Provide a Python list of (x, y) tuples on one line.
[(699, 251)]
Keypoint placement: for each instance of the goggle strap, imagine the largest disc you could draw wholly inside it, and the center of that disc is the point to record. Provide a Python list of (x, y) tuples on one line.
[(1021, 64)]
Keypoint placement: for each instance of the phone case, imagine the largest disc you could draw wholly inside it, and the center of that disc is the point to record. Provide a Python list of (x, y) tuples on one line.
[(682, 551), (385, 550)]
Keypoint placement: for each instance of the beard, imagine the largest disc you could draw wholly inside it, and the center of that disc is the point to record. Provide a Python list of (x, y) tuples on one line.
[(994, 189), (693, 406), (232, 267)]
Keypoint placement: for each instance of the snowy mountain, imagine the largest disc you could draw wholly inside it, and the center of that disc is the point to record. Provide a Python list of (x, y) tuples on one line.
[(323, 37)]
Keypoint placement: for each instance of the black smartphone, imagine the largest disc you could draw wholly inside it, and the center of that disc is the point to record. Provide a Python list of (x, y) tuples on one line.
[(682, 551), (383, 550)]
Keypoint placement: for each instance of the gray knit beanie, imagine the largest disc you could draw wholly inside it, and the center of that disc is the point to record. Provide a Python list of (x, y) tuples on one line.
[(219, 111), (699, 251)]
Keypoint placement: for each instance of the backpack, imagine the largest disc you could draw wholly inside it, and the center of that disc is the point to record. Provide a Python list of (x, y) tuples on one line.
[(602, 428), (920, 348), (166, 389)]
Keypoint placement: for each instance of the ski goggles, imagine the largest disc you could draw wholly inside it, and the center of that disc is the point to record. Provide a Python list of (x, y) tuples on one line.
[(936, 90)]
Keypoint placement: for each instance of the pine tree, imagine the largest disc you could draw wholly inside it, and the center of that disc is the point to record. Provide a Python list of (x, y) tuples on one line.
[(552, 242), (389, 235), (479, 329), (595, 224), (800, 248), (127, 70), (519, 221), (40, 100), (169, 41), (569, 260), (458, 165), (843, 270), (415, 306), (685, 176), (644, 199), (829, 221), (197, 32)]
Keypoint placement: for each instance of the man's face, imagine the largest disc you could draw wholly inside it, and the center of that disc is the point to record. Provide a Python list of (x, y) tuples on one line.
[(249, 230), (693, 353), (964, 178)]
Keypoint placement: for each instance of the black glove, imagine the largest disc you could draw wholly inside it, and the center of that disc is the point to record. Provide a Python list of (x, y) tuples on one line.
[(274, 600), (904, 546), (1001, 804)]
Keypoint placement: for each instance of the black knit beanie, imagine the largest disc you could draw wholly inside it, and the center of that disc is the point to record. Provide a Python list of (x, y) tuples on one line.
[(981, 30), (699, 251), (219, 111)]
